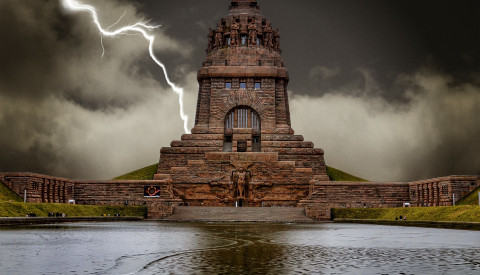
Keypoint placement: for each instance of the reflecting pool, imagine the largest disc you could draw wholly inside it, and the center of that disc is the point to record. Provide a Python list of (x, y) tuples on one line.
[(199, 248)]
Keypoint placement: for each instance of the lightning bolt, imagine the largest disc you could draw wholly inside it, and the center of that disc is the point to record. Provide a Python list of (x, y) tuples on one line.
[(139, 28)]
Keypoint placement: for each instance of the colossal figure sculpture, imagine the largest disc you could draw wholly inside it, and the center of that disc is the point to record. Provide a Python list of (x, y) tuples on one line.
[(252, 33), (211, 40), (219, 36), (268, 36), (234, 38), (240, 181), (276, 40), (242, 150)]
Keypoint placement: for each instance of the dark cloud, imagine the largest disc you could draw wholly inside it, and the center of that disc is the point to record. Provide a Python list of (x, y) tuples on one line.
[(28, 32), (390, 87)]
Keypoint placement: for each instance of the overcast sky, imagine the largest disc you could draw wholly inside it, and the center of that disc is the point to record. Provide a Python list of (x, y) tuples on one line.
[(389, 89)]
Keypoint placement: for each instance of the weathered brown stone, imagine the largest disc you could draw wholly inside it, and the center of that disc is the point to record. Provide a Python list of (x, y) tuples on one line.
[(206, 167)]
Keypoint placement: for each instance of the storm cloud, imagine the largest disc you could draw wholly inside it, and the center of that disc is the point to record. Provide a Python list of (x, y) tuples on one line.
[(66, 111)]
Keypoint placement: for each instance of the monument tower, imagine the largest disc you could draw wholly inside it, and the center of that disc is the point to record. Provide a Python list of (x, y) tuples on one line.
[(242, 150)]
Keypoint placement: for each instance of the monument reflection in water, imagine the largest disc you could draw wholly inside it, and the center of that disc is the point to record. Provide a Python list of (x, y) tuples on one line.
[(184, 248)]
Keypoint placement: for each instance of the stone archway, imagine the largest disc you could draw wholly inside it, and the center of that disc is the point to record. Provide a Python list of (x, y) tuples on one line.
[(245, 120)]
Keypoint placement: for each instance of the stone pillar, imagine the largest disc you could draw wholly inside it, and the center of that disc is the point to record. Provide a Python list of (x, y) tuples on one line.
[(417, 194), (48, 183), (433, 194), (54, 189), (450, 194), (43, 190), (64, 198), (59, 193), (427, 194), (420, 192)]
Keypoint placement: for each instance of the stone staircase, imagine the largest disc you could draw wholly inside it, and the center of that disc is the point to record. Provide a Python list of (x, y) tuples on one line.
[(239, 214)]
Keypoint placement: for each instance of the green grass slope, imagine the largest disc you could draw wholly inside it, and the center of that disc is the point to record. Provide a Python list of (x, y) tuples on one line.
[(21, 209), (338, 175), (6, 194), (147, 173), (464, 213), (470, 199)]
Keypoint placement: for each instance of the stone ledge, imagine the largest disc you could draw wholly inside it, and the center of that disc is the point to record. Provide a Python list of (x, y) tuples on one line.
[(432, 224), (303, 170), (32, 175), (242, 71), (359, 183)]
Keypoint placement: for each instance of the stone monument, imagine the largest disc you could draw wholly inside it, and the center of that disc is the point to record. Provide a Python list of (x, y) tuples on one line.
[(242, 150)]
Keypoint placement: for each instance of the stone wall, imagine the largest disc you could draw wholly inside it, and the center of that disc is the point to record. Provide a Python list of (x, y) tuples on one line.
[(40, 188), (327, 195), (441, 191), (158, 209), (430, 192), (123, 192), (211, 187)]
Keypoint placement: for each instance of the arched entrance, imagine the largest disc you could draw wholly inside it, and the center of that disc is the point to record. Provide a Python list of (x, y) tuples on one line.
[(245, 120)]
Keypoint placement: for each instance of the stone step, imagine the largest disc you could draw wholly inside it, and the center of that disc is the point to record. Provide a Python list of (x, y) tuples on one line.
[(287, 144), (277, 137), (239, 214), (197, 143)]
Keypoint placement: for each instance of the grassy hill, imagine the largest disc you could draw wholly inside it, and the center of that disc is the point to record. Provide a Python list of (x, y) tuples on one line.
[(470, 199), (338, 175), (146, 173), (6, 194)]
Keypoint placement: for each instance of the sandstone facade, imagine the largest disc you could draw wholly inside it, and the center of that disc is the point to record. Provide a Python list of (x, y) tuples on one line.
[(242, 150)]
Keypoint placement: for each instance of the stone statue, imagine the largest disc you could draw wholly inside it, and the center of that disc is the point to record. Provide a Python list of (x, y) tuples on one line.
[(276, 40), (240, 180), (268, 36), (211, 38), (234, 38), (219, 36), (170, 191), (252, 33)]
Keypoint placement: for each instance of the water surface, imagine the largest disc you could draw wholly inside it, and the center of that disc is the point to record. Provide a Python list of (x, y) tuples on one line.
[(195, 248)]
